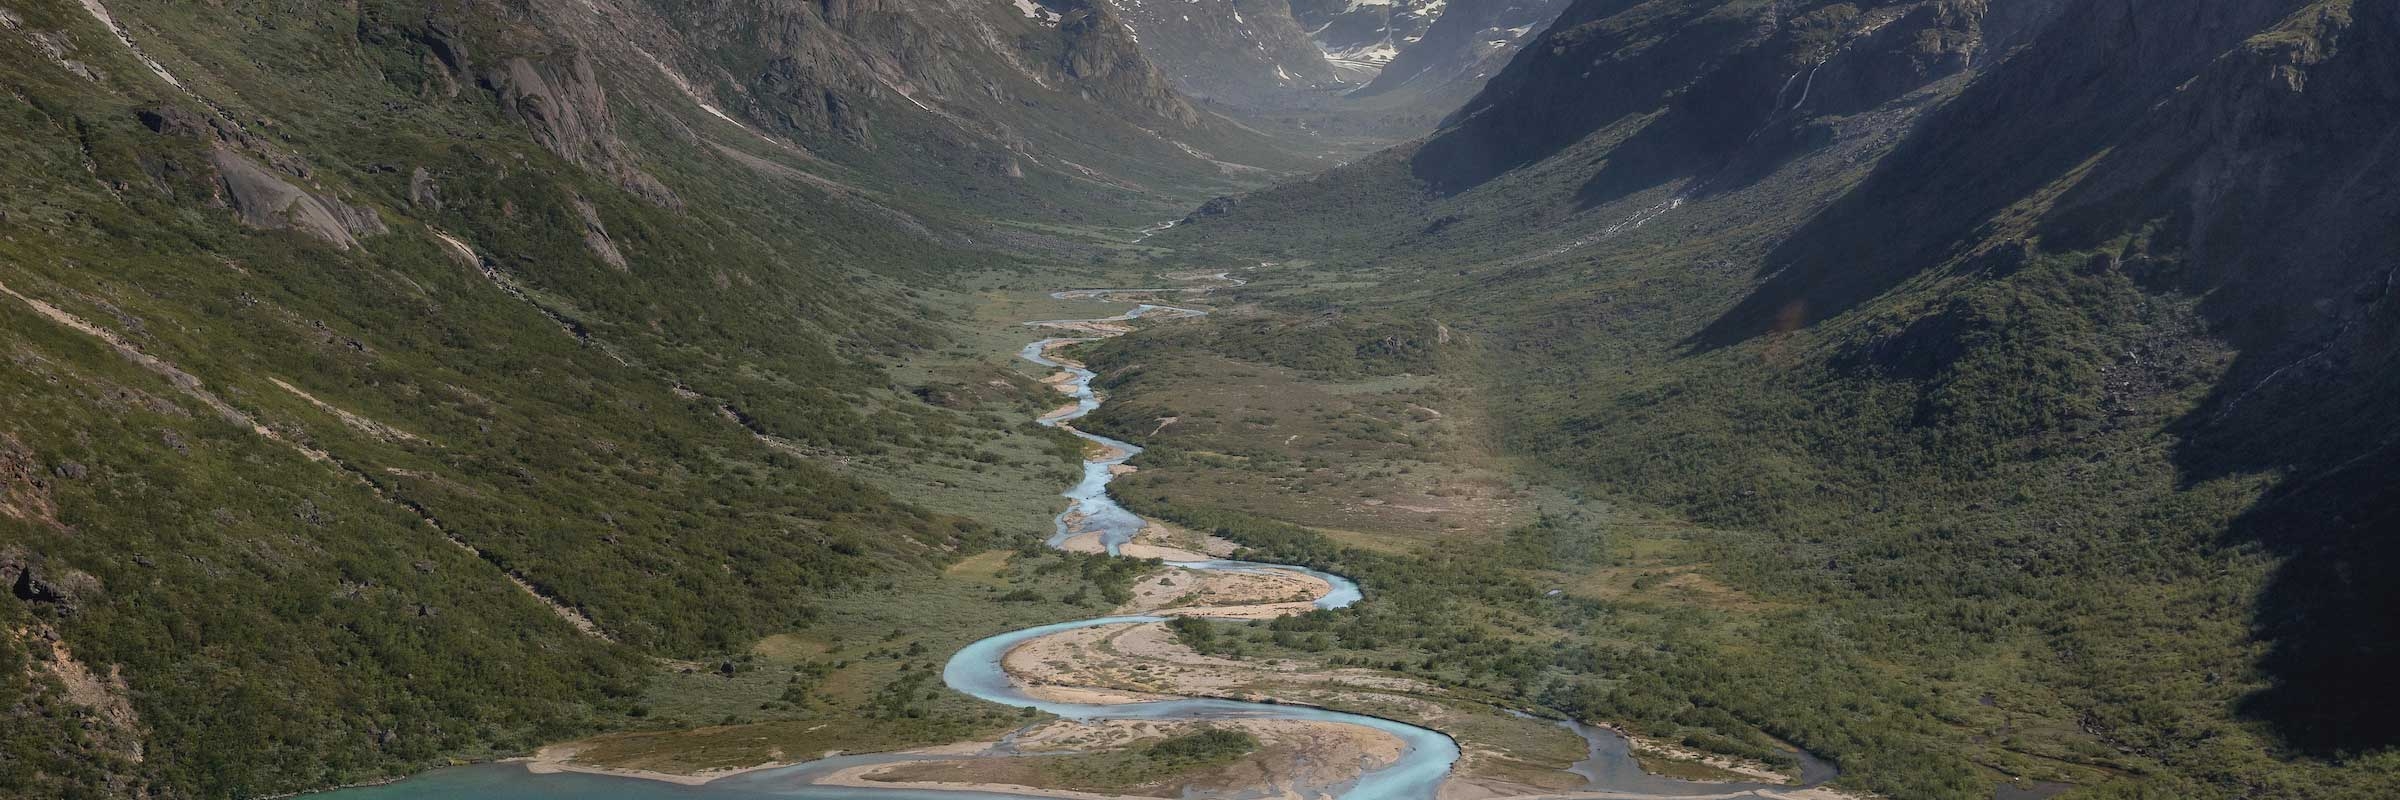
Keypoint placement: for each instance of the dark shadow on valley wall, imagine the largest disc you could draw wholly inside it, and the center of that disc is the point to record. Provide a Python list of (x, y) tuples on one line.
[(2076, 89), (2250, 149), (1571, 84), (2270, 181)]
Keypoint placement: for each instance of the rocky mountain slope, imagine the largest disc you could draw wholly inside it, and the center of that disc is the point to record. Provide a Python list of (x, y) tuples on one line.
[(1229, 49), (1317, 73), (2052, 325), (1396, 44), (1469, 42), (1364, 36), (387, 383)]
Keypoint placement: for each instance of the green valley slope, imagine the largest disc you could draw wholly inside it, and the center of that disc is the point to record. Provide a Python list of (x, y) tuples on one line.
[(392, 383), (2024, 360)]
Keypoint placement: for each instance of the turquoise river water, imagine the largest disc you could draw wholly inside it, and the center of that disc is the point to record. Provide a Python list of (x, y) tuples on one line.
[(976, 671)]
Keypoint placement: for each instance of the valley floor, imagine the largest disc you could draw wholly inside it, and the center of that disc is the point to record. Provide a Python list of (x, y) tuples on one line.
[(1505, 754)]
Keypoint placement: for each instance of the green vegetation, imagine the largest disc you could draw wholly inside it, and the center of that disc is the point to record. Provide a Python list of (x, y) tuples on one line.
[(581, 410), (681, 388), (1171, 766), (1981, 616), (1950, 430), (1153, 763), (865, 677)]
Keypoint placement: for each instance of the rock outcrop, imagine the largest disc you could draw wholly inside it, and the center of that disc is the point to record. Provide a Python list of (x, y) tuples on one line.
[(992, 81), (423, 192), (563, 103), (595, 235), (268, 202), (170, 119), (1104, 56), (24, 490)]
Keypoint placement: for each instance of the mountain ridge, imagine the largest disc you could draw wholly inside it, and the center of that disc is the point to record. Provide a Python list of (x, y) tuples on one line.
[(356, 349), (2006, 381), (2013, 246)]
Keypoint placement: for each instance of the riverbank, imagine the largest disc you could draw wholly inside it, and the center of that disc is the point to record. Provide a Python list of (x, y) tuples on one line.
[(1293, 758), (559, 758), (1366, 729)]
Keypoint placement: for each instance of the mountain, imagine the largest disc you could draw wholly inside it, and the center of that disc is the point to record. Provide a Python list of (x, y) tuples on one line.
[(1316, 75), (1060, 91), (1364, 36), (1954, 305), (1230, 50), (1971, 393), (1392, 45), (393, 383), (1468, 43)]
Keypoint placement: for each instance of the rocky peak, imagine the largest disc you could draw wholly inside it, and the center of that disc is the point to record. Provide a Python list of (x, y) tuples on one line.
[(1103, 54), (1708, 87)]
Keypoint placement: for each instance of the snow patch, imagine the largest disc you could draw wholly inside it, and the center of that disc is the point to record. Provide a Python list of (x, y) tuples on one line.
[(1377, 54), (1034, 11)]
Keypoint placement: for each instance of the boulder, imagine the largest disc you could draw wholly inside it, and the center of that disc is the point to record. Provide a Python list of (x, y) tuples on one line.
[(268, 202), (423, 192), (168, 119), (595, 235)]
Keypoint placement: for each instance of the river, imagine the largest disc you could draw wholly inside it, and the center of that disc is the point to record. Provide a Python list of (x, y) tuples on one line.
[(976, 669)]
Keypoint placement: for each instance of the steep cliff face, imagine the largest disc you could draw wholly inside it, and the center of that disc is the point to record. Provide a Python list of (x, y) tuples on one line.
[(1101, 49), (1699, 85), (563, 103), (2239, 154), (2235, 153), (1059, 87)]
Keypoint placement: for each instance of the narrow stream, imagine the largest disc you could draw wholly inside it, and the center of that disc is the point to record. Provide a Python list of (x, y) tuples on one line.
[(976, 671)]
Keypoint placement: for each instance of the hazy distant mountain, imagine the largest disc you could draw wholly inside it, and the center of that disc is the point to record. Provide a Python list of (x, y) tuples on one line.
[(1364, 35), (1468, 43), (1228, 48), (1380, 68)]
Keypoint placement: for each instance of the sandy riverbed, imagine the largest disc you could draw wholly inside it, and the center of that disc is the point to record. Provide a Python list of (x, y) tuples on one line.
[(560, 758), (1295, 759), (1221, 593), (1167, 543)]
